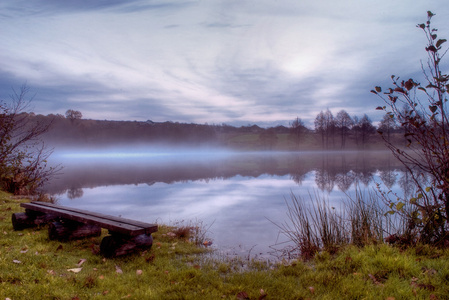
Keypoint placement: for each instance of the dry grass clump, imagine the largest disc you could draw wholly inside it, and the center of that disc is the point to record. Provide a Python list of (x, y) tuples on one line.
[(313, 225), (194, 232)]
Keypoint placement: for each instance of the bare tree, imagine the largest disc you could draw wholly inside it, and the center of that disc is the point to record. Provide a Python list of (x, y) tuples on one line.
[(329, 125), (23, 156), (387, 125), (365, 129), (325, 127), (298, 129), (343, 123), (320, 126)]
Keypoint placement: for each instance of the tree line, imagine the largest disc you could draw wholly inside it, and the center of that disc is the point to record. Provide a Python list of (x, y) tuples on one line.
[(341, 132), (335, 131)]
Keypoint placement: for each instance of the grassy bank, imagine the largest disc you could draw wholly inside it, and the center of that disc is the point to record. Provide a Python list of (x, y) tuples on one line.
[(33, 267)]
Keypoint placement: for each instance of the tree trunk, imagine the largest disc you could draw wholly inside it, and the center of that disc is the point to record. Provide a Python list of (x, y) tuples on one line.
[(71, 230), (117, 245)]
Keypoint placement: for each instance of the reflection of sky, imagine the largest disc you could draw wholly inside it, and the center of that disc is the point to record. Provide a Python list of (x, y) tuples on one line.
[(241, 209)]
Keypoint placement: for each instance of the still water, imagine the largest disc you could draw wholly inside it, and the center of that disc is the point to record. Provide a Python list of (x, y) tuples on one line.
[(238, 197)]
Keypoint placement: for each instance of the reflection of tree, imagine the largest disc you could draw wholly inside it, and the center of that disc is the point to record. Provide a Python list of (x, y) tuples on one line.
[(364, 177), (74, 193), (406, 183), (388, 177), (344, 180), (298, 178), (324, 180), (267, 163), (334, 168)]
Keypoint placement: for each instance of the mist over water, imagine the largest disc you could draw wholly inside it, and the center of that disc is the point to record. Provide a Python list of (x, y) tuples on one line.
[(240, 195), (140, 152)]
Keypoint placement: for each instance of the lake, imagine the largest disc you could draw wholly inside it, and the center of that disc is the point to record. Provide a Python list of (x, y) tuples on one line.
[(238, 197)]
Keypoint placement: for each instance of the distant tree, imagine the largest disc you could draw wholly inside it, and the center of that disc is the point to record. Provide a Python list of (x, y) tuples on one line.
[(297, 129), (329, 127), (73, 114), (387, 125), (320, 126), (268, 138), (325, 127), (355, 130), (23, 155), (343, 123), (365, 129)]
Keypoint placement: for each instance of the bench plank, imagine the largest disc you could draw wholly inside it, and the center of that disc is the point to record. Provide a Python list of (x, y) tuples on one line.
[(113, 224)]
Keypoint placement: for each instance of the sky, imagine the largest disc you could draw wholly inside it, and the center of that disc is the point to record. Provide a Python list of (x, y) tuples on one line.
[(238, 62)]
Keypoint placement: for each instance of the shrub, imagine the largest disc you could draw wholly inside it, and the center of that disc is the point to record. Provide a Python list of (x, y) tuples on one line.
[(421, 110)]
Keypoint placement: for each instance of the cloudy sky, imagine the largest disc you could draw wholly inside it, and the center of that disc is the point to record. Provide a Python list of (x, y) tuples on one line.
[(239, 62)]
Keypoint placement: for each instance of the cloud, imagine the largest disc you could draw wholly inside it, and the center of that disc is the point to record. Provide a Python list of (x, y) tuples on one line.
[(211, 61)]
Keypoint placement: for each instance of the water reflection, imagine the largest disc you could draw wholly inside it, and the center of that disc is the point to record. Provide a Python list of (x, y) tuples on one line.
[(240, 194)]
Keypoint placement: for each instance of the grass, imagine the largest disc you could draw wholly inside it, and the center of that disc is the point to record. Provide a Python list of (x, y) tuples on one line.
[(33, 267), (313, 225)]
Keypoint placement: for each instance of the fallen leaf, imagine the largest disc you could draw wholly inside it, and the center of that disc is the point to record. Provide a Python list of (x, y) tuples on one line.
[(82, 261), (105, 292), (16, 261), (101, 277), (150, 258), (390, 298), (242, 296), (127, 296), (311, 289), (263, 295), (139, 272), (75, 270), (374, 279), (59, 248), (118, 270), (51, 272), (95, 249), (24, 251)]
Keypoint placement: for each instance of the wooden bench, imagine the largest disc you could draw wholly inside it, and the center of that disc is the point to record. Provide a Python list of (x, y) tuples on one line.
[(66, 223)]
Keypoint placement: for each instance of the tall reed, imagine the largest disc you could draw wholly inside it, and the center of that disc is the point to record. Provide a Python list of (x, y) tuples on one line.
[(314, 225)]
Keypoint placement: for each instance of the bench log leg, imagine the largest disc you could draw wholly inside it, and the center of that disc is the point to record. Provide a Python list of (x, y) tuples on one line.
[(26, 220), (71, 230), (117, 245)]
